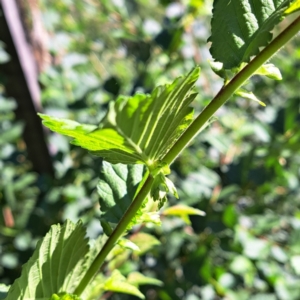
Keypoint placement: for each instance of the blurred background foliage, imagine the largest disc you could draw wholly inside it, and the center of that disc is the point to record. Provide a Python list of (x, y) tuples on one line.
[(243, 170)]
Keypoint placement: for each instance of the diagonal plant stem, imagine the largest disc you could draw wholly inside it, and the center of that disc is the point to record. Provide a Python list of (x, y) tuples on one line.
[(227, 91), (224, 94), (116, 234)]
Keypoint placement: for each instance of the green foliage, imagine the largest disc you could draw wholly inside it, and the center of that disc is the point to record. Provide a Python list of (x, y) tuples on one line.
[(242, 170), (294, 7), (139, 129), (183, 211), (240, 28), (117, 188), (56, 266), (64, 297), (4, 57), (118, 283)]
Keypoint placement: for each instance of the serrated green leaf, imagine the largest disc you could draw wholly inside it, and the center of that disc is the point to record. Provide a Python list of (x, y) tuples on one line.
[(240, 27), (56, 265), (183, 211), (118, 283), (117, 187), (295, 6), (270, 71), (136, 278), (138, 129), (248, 95)]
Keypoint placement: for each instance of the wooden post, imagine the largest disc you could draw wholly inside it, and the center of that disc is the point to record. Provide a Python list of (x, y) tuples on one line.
[(21, 83)]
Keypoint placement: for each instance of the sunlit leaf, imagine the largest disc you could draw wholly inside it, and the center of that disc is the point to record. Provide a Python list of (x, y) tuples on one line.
[(183, 211), (118, 283), (128, 244), (56, 265), (138, 129), (295, 263), (64, 297), (248, 95), (138, 279), (295, 6), (270, 71), (144, 241), (240, 28)]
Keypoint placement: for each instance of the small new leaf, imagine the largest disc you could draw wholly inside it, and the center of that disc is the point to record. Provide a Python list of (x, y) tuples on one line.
[(138, 279), (270, 71), (125, 243), (118, 283), (295, 6), (64, 296), (183, 211), (248, 95), (144, 241), (240, 27), (161, 186)]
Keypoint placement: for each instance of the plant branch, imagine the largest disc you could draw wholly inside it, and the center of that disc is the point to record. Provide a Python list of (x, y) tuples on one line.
[(224, 94), (116, 234), (227, 91)]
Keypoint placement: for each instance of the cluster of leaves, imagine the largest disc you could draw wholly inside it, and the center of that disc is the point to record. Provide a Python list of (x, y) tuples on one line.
[(246, 247)]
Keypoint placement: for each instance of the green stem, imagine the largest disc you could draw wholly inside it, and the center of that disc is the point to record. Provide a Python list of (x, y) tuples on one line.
[(185, 139), (116, 234), (226, 92)]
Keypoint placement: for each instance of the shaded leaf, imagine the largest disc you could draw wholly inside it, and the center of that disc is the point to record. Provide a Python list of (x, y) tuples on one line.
[(117, 188), (230, 216), (240, 27)]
